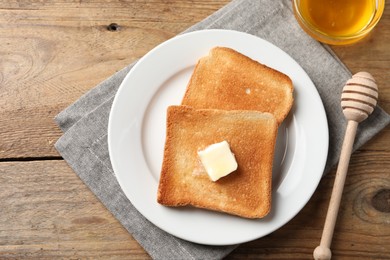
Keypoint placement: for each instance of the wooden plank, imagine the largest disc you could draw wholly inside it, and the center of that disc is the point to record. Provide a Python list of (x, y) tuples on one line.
[(55, 51), (52, 53), (47, 212)]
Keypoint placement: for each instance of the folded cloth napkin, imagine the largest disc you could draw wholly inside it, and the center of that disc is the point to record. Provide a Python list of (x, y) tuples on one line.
[(84, 123)]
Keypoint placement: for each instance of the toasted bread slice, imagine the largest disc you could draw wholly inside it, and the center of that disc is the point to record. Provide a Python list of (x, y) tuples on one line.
[(229, 80), (251, 135)]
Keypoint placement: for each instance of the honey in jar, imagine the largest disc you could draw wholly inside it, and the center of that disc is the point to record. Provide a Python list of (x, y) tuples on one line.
[(338, 17)]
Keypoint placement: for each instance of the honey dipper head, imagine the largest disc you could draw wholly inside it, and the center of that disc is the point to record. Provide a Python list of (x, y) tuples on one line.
[(359, 97)]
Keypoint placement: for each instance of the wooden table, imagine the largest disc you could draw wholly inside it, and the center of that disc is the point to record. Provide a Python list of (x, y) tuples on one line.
[(52, 52)]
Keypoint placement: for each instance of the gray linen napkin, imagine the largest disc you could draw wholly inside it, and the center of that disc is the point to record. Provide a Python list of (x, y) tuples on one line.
[(84, 123)]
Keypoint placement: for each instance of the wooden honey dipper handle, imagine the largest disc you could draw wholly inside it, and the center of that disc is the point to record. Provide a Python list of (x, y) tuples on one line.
[(358, 100)]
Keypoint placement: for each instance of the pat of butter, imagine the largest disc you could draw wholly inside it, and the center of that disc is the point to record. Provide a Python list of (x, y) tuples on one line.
[(218, 160)]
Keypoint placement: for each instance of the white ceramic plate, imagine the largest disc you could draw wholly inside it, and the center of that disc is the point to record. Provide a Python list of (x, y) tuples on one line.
[(136, 135)]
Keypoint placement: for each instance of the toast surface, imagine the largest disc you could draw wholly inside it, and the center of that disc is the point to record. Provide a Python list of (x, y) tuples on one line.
[(229, 80), (251, 135)]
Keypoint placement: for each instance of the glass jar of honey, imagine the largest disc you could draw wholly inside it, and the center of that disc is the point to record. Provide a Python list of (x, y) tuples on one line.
[(338, 22)]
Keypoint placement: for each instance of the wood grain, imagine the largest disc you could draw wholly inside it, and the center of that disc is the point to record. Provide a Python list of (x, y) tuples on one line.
[(52, 52), (66, 53), (49, 213)]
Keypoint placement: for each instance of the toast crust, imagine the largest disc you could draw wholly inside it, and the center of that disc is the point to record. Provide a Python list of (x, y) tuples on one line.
[(229, 80), (251, 135)]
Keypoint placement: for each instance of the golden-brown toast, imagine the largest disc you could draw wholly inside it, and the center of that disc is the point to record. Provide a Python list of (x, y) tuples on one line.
[(251, 135), (229, 80)]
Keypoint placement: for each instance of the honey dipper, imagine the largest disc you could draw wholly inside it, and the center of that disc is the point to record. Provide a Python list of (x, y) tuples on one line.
[(358, 100)]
